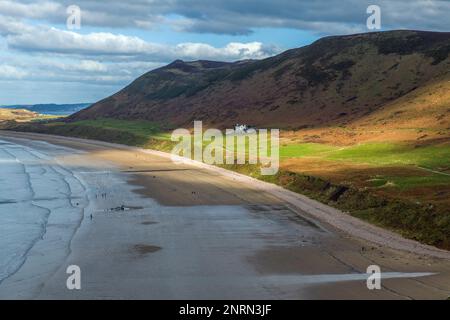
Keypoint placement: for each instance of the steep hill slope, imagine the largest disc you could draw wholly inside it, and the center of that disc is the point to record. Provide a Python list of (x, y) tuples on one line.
[(334, 81)]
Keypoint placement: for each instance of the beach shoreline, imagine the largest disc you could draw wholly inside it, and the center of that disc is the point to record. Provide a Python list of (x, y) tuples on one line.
[(228, 222)]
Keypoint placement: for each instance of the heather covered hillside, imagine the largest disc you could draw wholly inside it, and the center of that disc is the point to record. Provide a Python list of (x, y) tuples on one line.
[(364, 79)]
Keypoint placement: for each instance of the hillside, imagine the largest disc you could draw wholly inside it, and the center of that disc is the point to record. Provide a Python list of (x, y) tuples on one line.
[(17, 114), (363, 79)]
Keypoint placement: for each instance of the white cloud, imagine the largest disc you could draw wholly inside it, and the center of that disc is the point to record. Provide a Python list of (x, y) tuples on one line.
[(92, 66), (94, 13), (53, 40), (232, 51), (11, 72), (36, 10), (43, 39), (72, 66), (11, 26)]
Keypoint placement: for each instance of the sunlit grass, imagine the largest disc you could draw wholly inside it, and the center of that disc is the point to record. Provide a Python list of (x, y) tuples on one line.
[(305, 149), (378, 154), (411, 182), (382, 154)]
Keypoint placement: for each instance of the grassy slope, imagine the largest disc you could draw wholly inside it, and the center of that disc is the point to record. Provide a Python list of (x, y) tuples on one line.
[(19, 114), (433, 157), (143, 129)]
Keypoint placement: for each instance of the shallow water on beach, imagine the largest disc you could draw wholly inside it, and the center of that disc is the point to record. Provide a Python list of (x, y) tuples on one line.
[(42, 230), (32, 187)]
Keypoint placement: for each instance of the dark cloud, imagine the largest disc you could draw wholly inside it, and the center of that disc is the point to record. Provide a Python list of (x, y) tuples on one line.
[(241, 17)]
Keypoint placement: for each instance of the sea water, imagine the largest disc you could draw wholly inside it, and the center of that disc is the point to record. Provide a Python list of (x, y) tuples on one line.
[(33, 187)]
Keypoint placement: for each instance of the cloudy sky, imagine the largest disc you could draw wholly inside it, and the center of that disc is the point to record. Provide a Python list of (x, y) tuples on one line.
[(44, 61)]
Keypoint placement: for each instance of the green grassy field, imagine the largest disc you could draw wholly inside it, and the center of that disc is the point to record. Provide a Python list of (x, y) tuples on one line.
[(305, 149), (379, 154), (435, 157), (407, 183)]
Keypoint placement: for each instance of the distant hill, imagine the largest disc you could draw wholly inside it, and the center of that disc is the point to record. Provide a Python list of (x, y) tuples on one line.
[(335, 81), (52, 109)]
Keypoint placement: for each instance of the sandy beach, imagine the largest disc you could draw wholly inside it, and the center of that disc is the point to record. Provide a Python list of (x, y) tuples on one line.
[(142, 227)]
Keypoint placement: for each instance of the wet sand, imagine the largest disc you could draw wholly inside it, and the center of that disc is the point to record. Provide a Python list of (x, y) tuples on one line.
[(186, 232)]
